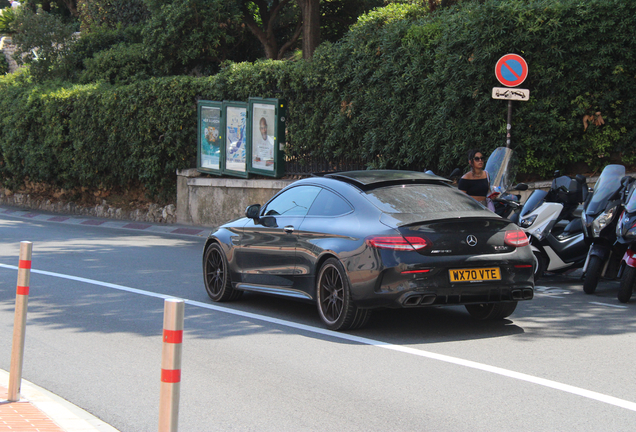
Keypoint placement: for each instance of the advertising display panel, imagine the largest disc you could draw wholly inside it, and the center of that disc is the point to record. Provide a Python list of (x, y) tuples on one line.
[(236, 152), (210, 127), (266, 139)]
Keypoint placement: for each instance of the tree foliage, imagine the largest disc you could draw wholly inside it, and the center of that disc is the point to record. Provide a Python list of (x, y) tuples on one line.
[(111, 13), (41, 40), (192, 36)]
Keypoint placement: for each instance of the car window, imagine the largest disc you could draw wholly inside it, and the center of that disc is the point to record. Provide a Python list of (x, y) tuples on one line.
[(329, 204), (421, 198), (293, 202)]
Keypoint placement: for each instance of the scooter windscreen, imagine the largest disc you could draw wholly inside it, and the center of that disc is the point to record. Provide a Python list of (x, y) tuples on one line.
[(630, 205), (501, 168), (607, 184), (536, 198)]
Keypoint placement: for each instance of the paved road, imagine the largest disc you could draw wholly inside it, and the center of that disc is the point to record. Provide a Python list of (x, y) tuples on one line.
[(562, 362)]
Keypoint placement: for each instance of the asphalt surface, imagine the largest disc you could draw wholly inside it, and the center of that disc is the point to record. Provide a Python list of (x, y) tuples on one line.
[(561, 362)]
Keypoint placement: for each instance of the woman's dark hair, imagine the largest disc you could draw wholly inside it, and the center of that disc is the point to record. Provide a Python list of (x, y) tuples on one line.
[(472, 153)]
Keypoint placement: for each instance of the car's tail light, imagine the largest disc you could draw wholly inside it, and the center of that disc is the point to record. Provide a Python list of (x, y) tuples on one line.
[(397, 242), (416, 271), (516, 238)]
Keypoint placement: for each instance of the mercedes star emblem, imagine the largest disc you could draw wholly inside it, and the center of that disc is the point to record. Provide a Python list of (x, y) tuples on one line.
[(471, 240)]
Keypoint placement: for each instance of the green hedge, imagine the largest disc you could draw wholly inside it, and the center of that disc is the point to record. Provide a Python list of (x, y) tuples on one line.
[(403, 89)]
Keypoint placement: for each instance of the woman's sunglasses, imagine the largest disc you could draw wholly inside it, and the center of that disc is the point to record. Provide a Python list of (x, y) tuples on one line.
[(478, 159)]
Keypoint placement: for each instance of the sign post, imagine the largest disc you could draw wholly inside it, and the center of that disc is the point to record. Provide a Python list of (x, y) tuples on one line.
[(511, 70)]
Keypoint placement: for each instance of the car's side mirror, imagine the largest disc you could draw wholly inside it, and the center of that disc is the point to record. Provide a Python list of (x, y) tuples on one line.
[(253, 212)]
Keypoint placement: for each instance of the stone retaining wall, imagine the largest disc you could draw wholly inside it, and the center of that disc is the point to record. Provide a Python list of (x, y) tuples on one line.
[(153, 214)]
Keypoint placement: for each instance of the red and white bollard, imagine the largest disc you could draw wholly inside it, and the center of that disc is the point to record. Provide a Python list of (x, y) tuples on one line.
[(19, 322), (171, 365)]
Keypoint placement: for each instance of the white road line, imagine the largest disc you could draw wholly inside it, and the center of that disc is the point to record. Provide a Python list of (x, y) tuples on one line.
[(421, 353), (609, 305)]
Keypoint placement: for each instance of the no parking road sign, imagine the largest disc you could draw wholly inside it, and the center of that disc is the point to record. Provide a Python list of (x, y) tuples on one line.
[(511, 70)]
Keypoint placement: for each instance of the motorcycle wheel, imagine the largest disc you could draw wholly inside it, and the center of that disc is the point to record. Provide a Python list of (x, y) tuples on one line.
[(592, 274), (627, 285), (542, 262)]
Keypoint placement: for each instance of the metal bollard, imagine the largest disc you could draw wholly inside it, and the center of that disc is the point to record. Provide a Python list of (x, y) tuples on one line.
[(171, 365), (19, 322)]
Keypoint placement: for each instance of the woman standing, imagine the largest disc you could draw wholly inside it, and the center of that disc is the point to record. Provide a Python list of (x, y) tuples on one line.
[(476, 182)]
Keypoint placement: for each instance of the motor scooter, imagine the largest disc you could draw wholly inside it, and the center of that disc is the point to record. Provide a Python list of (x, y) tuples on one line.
[(626, 234), (600, 216), (501, 168), (551, 219)]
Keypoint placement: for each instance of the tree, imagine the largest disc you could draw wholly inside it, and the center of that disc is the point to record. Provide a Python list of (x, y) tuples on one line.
[(261, 18), (279, 24), (311, 26)]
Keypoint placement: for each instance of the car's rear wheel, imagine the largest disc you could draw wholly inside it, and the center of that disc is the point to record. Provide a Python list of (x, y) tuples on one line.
[(216, 275), (491, 311), (333, 296), (627, 284)]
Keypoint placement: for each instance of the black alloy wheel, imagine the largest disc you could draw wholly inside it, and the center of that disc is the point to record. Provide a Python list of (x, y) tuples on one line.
[(627, 284), (592, 274), (333, 296), (216, 276), (491, 311)]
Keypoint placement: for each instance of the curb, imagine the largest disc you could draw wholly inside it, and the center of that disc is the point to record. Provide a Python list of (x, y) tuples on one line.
[(69, 417), (39, 216)]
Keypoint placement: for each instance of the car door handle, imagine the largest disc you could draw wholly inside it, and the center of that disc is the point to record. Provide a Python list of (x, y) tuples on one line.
[(289, 229)]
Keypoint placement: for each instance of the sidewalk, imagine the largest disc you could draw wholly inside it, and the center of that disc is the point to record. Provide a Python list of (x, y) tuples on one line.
[(41, 216), (41, 411)]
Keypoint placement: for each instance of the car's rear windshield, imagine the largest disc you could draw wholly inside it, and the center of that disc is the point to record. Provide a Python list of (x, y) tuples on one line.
[(421, 198)]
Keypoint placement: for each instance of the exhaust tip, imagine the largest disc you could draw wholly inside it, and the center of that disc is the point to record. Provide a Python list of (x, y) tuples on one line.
[(413, 300)]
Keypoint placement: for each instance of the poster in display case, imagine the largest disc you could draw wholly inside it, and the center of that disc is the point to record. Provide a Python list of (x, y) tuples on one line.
[(266, 139), (236, 152), (210, 126)]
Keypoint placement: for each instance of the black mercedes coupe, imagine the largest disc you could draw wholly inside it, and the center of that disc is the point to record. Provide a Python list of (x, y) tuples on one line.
[(355, 241)]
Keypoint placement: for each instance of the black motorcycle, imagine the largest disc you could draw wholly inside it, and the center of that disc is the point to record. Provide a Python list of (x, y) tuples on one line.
[(600, 215), (626, 234)]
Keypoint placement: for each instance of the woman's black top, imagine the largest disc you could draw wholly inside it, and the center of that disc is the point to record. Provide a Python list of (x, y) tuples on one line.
[(477, 187)]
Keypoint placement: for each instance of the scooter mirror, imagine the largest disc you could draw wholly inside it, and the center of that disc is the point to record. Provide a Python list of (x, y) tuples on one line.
[(521, 187), (456, 173)]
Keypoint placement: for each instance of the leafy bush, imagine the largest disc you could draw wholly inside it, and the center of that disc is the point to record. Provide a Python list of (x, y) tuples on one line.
[(98, 135), (412, 91), (4, 64), (121, 64), (192, 36), (111, 13), (41, 39), (88, 45), (7, 16)]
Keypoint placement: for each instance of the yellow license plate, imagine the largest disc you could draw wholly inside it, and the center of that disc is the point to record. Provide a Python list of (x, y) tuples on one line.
[(475, 274)]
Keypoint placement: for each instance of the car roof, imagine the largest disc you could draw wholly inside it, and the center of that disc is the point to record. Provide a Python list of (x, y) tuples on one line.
[(370, 179)]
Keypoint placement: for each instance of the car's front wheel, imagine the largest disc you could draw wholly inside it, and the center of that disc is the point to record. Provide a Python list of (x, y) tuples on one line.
[(491, 311), (216, 275), (333, 297)]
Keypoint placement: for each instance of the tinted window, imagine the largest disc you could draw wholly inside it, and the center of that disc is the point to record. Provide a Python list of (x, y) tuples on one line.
[(329, 204), (423, 198), (293, 202)]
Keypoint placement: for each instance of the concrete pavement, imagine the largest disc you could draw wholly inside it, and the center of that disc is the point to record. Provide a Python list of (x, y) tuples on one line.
[(39, 410)]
